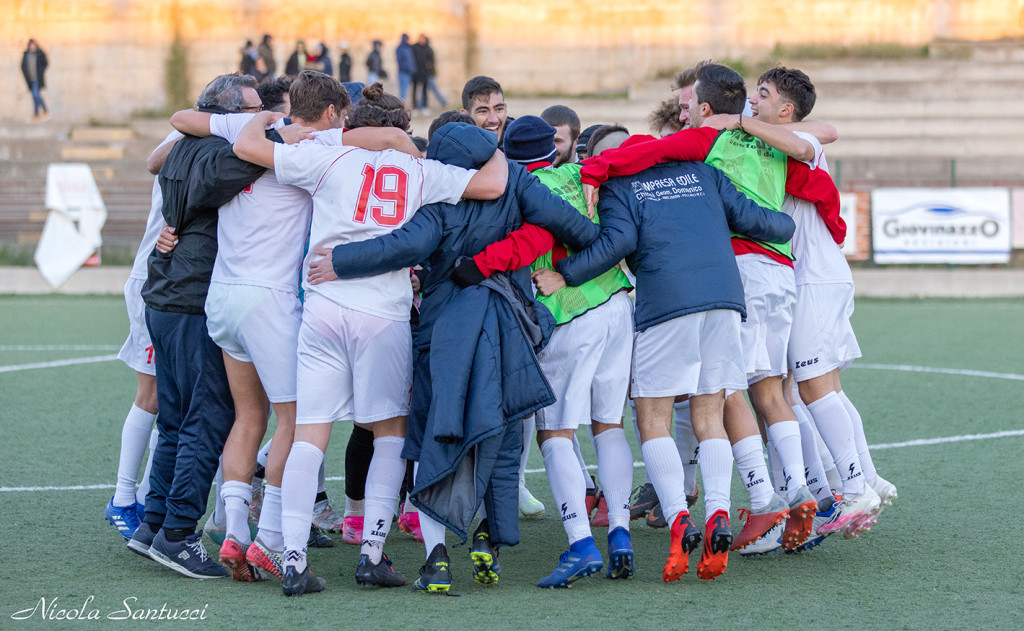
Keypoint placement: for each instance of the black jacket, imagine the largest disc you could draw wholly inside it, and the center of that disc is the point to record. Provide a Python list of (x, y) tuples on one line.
[(345, 68), (40, 68), (424, 57), (199, 176)]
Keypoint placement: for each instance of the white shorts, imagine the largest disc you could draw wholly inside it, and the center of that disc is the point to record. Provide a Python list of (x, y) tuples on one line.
[(137, 351), (352, 365), (822, 338), (587, 365), (769, 289), (258, 325), (694, 354)]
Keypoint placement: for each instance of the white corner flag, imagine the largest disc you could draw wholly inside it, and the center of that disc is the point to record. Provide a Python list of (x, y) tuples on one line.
[(72, 230)]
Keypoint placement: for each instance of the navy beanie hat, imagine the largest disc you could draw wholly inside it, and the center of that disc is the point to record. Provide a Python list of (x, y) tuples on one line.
[(530, 139)]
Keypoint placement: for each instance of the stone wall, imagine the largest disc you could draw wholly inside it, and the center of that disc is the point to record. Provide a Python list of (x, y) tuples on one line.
[(107, 56)]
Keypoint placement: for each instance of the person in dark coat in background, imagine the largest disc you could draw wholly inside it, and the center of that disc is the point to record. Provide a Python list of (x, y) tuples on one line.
[(266, 55), (446, 491), (375, 65), (344, 64), (297, 61), (33, 68), (420, 52)]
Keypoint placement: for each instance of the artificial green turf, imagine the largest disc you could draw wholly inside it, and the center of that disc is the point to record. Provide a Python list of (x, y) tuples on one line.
[(946, 556)]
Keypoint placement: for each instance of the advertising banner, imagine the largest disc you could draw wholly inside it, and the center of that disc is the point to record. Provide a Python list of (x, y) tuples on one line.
[(941, 225)]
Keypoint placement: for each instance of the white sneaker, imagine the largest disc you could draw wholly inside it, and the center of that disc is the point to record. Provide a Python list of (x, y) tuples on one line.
[(768, 542), (852, 513), (529, 506)]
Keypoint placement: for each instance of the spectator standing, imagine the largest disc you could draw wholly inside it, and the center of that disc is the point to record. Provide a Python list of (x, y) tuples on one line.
[(323, 60), (249, 57), (297, 62), (431, 72), (419, 78), (406, 67), (266, 54), (375, 65), (33, 67), (344, 63)]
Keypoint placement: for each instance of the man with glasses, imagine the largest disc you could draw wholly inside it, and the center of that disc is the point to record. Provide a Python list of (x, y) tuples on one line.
[(197, 412)]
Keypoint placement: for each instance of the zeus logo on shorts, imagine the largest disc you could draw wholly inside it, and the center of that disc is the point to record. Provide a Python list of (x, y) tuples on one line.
[(806, 363)]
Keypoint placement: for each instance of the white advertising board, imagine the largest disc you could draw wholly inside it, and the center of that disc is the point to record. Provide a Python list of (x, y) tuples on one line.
[(940, 225)]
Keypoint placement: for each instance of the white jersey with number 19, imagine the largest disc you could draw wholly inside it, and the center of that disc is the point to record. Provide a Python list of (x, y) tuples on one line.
[(359, 195)]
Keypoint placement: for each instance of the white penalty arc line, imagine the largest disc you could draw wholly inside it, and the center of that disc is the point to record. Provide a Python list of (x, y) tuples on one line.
[(637, 465), (58, 363), (58, 347)]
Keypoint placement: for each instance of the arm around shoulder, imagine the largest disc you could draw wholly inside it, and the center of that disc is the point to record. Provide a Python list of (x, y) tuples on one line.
[(490, 181)]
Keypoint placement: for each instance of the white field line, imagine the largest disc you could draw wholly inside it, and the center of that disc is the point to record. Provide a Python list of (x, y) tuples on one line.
[(942, 371), (909, 443), (58, 363), (58, 347)]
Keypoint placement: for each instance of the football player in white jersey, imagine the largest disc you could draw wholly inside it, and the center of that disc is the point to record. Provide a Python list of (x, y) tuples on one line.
[(822, 341), (355, 348), (254, 312)]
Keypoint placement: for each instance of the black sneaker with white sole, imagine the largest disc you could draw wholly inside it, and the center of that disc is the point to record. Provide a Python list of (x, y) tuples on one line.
[(187, 557)]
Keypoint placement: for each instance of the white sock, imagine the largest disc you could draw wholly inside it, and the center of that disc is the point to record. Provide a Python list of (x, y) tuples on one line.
[(298, 493), (835, 483), (261, 457), (528, 424), (866, 463), (353, 508), (237, 498), (836, 429), (433, 530), (775, 469), (270, 518), (407, 506), (615, 468), (321, 479), (686, 443), (583, 464), (567, 486), (786, 436), (383, 482), (716, 471), (140, 495), (666, 470), (814, 471), (749, 456), (134, 437)]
